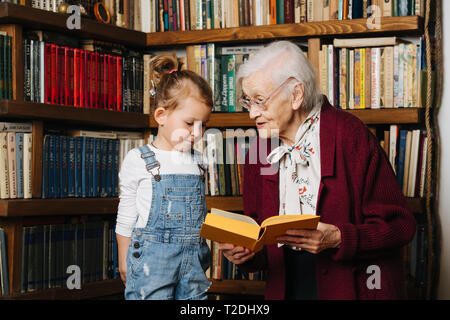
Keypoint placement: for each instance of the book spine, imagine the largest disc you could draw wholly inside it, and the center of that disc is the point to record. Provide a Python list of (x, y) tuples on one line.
[(71, 167), (12, 165), (351, 85), (27, 71), (357, 79), (19, 164), (389, 77), (343, 78), (231, 84), (375, 101), (4, 166)]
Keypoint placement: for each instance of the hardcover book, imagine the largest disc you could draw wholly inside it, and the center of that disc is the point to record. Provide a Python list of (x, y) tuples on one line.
[(228, 227)]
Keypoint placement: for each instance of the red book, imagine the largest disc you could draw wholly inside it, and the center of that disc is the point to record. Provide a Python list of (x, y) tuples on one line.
[(110, 82), (76, 81), (68, 76), (289, 15), (61, 75), (113, 84), (71, 76), (48, 73), (101, 75), (94, 56), (105, 81), (119, 83), (87, 79), (54, 73), (81, 79)]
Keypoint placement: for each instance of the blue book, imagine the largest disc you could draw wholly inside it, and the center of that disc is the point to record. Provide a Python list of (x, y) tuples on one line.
[(70, 167), (103, 164), (357, 8), (19, 164), (78, 165), (45, 166), (96, 167), (4, 276), (109, 168), (90, 169), (57, 166), (341, 10), (51, 167), (84, 166), (401, 157), (63, 169), (115, 168)]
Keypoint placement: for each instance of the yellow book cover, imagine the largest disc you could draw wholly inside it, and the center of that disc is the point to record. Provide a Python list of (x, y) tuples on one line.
[(357, 79), (362, 73), (241, 230)]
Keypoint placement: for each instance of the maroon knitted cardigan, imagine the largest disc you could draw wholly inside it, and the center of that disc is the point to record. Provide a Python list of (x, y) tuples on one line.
[(360, 195)]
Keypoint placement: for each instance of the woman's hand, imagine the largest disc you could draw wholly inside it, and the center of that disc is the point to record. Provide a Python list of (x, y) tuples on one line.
[(122, 250), (123, 271), (314, 241), (235, 254)]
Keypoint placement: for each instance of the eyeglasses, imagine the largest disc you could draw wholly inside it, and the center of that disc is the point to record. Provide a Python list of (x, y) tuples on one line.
[(260, 104)]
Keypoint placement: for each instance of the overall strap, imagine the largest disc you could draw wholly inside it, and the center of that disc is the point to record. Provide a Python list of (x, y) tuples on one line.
[(149, 157)]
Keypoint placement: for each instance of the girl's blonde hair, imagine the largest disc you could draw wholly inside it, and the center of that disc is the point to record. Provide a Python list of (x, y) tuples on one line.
[(170, 83)]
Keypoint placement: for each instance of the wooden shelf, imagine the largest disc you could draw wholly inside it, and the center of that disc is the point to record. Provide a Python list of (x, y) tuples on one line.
[(90, 29), (115, 287), (72, 115), (88, 291), (356, 27), (238, 287), (99, 206)]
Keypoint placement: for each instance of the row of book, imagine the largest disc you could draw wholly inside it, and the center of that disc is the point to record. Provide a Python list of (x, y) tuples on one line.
[(407, 153), (6, 91), (375, 73), (85, 163), (173, 15), (4, 276), (87, 77), (16, 143), (89, 248), (222, 269)]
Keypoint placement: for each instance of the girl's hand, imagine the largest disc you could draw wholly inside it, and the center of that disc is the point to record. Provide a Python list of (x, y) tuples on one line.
[(235, 254), (123, 271)]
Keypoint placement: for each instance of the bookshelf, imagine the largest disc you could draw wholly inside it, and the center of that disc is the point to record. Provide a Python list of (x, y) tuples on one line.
[(14, 18)]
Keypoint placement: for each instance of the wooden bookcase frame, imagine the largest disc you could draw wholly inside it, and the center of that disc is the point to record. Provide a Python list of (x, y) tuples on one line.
[(14, 18)]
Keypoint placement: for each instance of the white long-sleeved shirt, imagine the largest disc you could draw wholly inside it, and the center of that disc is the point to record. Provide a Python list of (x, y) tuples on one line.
[(136, 185)]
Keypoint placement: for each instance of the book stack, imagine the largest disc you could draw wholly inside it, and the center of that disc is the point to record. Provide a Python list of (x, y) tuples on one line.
[(85, 163), (49, 249), (99, 75), (407, 153), (373, 73), (16, 143), (225, 154)]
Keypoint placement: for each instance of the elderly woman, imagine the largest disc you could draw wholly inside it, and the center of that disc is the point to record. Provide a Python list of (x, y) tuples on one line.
[(329, 164)]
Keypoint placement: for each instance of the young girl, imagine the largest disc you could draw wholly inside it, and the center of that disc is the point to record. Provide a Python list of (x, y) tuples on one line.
[(162, 196)]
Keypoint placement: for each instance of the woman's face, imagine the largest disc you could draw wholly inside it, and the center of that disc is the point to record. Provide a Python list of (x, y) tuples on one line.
[(278, 113)]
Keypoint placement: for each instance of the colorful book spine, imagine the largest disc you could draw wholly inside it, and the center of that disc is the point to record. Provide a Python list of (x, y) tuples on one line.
[(4, 166), (19, 164), (27, 165)]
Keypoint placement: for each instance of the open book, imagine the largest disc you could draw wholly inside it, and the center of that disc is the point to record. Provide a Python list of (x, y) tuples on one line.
[(238, 229)]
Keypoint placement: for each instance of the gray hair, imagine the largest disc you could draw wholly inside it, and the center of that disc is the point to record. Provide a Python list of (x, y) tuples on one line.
[(290, 61)]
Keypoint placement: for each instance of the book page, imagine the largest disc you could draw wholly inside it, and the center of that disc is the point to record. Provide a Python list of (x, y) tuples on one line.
[(285, 218), (234, 216)]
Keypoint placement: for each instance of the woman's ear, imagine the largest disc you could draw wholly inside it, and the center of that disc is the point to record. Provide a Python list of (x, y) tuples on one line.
[(298, 96), (160, 116)]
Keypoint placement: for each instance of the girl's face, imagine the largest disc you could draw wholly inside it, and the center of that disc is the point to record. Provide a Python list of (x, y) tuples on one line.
[(181, 127)]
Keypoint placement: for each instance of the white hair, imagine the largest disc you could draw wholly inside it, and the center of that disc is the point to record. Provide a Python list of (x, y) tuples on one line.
[(290, 61)]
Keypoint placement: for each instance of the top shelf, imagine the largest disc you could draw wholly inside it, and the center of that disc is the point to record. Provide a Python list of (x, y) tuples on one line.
[(90, 29), (409, 25)]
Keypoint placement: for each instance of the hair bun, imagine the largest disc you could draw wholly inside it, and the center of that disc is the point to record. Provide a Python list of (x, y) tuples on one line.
[(162, 64)]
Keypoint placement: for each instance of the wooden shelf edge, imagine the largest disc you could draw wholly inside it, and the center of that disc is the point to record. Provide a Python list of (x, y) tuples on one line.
[(299, 30), (99, 206), (74, 115), (88, 291), (90, 29), (237, 287)]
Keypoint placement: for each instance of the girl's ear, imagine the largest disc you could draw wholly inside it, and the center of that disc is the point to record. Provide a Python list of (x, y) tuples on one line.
[(160, 116), (298, 96)]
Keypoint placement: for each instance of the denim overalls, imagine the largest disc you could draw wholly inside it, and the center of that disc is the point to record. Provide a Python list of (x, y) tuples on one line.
[(167, 259)]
